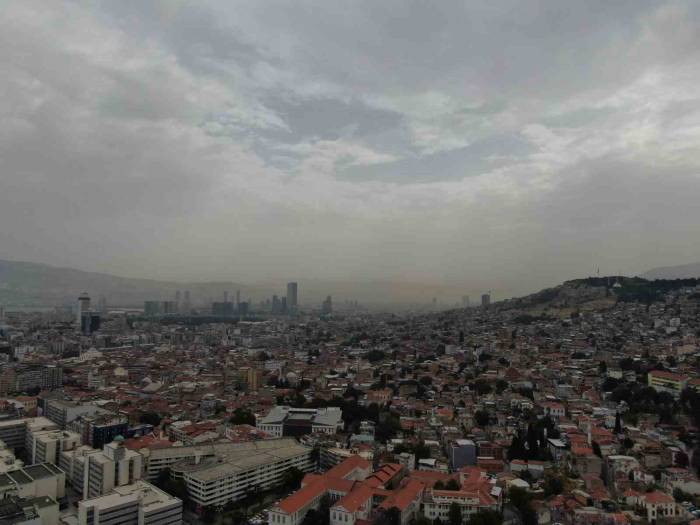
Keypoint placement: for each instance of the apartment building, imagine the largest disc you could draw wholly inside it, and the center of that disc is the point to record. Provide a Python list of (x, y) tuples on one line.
[(94, 472), (139, 503), (44, 446)]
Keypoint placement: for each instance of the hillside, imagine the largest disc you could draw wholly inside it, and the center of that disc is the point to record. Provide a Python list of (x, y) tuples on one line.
[(595, 293), (34, 284), (673, 272)]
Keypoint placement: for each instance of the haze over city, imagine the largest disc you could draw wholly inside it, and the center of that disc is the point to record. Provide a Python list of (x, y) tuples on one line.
[(480, 145)]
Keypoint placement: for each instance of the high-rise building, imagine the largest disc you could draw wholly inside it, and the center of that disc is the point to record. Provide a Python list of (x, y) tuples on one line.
[(2, 313), (292, 298), (486, 299), (238, 299), (327, 306), (178, 300), (89, 322), (83, 306)]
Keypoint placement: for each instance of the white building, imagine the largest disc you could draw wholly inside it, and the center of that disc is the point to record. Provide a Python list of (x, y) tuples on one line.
[(289, 421), (95, 472), (139, 503), (236, 469)]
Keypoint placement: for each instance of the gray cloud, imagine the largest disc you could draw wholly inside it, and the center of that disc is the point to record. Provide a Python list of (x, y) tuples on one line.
[(503, 145)]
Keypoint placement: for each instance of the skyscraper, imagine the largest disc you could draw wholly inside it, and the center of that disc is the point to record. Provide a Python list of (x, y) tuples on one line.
[(486, 299), (292, 289), (327, 306), (83, 306)]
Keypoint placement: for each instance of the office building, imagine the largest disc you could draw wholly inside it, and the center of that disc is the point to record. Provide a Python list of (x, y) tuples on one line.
[(16, 510), (45, 446), (42, 479), (139, 503), (289, 421), (92, 472), (238, 469), (224, 309), (89, 322), (292, 297), (83, 306), (64, 412), (485, 299), (327, 306), (26, 377), (461, 452)]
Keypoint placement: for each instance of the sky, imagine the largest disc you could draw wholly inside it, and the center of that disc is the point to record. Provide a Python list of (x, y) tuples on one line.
[(503, 145)]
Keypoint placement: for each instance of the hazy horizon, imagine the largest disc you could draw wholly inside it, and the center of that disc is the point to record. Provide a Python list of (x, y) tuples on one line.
[(507, 146)]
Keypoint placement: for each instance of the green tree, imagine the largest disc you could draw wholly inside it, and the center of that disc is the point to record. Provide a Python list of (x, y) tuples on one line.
[(242, 416), (291, 479), (454, 514), (452, 485), (486, 517)]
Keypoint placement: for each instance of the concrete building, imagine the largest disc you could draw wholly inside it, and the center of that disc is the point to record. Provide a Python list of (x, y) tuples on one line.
[(461, 452), (14, 432), (45, 446), (223, 472), (42, 510), (289, 421), (139, 503), (93, 472), (42, 479), (64, 412), (292, 297)]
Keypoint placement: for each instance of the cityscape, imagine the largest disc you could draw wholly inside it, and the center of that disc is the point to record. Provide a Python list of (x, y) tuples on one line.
[(368, 262)]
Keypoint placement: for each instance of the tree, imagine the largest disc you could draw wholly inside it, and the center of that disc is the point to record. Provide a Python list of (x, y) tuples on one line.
[(596, 449), (291, 479), (486, 517), (242, 416), (482, 418), (391, 516), (553, 485), (150, 418), (452, 485), (522, 501), (454, 514), (618, 424)]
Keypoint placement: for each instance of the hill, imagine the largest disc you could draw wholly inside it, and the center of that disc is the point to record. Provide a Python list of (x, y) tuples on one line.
[(34, 284), (595, 293), (683, 271)]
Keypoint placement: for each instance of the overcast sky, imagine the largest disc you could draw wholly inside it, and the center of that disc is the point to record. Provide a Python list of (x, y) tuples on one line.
[(495, 145)]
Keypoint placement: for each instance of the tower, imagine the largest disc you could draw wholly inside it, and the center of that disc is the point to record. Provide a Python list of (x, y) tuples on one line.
[(486, 299), (83, 306), (292, 298)]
